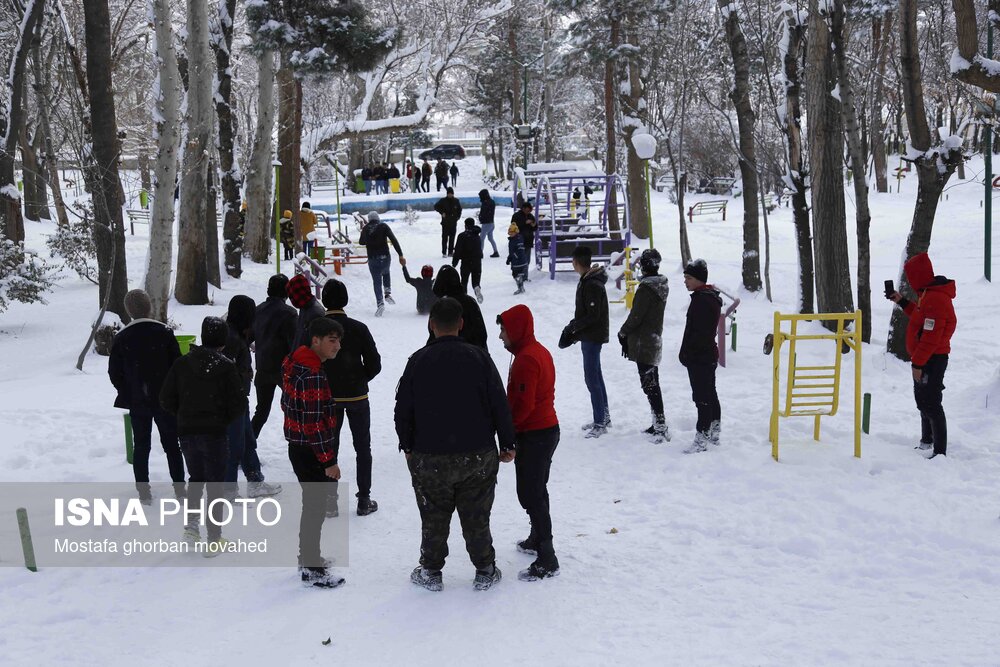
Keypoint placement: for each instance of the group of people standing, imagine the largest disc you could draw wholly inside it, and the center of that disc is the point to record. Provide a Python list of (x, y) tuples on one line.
[(376, 177)]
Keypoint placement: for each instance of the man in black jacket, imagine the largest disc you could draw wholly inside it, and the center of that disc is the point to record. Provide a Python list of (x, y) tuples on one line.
[(641, 337), (487, 213), (242, 442), (590, 326), (700, 353), (469, 251), (451, 211), (348, 375), (441, 174), (376, 237), (473, 329), (273, 335), (141, 355), (203, 390), (526, 224), (450, 404)]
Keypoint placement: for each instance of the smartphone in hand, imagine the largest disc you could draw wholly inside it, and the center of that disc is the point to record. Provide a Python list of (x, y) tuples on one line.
[(889, 289)]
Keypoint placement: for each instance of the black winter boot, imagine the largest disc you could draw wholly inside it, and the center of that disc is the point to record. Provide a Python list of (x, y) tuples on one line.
[(544, 567)]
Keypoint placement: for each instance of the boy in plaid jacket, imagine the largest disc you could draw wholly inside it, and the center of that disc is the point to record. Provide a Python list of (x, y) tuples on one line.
[(309, 429)]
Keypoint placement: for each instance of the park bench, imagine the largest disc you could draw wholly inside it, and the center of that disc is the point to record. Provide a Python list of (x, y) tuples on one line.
[(136, 216), (707, 207), (721, 185), (665, 182)]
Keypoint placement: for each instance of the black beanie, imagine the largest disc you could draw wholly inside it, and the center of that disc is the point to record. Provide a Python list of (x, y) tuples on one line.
[(276, 286), (334, 295), (214, 332), (649, 261), (698, 269)]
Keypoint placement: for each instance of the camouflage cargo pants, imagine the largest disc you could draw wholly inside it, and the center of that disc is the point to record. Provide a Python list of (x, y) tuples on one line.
[(443, 483)]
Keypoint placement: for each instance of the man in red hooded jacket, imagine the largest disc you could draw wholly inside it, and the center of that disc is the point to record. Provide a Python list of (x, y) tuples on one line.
[(928, 342), (531, 388)]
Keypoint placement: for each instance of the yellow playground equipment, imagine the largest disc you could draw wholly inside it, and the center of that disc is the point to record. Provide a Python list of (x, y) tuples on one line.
[(814, 391)]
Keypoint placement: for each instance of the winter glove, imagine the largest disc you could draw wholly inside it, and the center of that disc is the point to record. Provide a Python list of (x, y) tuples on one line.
[(566, 339), (624, 342), (508, 260)]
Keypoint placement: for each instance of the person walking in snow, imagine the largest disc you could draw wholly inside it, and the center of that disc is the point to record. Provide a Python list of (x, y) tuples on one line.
[(425, 288), (307, 228), (310, 426), (531, 390), (473, 331), (454, 174), (641, 337), (469, 251), (376, 237), (239, 433), (286, 229), (517, 257), (441, 174), (425, 176), (203, 390), (932, 322), (273, 335), (699, 353), (590, 327), (450, 210), (141, 356), (348, 375), (450, 411), (487, 213), (525, 221)]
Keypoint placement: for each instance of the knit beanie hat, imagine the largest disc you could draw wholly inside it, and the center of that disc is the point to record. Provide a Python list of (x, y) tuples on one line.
[(373, 217), (299, 292), (138, 305), (649, 261), (697, 269), (426, 271), (334, 295), (214, 332), (286, 214), (513, 230)]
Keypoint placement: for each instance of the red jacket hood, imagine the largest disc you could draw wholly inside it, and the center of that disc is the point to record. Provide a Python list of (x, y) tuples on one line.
[(920, 274), (306, 357), (520, 326)]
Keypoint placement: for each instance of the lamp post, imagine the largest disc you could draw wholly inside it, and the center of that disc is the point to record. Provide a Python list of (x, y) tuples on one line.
[(644, 146), (277, 216)]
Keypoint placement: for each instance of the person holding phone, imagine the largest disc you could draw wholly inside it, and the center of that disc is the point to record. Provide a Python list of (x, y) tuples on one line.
[(928, 342)]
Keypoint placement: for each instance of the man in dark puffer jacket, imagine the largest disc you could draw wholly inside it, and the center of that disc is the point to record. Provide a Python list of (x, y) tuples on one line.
[(348, 375), (700, 353), (273, 335)]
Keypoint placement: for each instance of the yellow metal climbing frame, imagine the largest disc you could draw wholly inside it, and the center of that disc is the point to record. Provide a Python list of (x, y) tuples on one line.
[(814, 391)]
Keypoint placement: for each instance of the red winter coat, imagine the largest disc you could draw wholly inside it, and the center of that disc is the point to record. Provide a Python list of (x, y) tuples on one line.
[(308, 405), (932, 317), (531, 385)]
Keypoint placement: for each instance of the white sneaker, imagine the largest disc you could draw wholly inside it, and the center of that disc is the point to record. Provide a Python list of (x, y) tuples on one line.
[(389, 300), (261, 489), (596, 431), (380, 310), (924, 445)]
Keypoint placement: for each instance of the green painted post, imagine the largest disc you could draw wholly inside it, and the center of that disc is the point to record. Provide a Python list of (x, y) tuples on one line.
[(649, 206), (732, 336), (26, 546), (866, 413), (336, 187), (129, 445)]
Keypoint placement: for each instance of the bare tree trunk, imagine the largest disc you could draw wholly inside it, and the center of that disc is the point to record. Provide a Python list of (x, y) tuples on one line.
[(191, 286), (826, 141), (547, 102), (515, 74), (632, 102), (36, 201), (260, 211), (796, 168), (167, 133), (881, 28), (11, 119), (108, 197), (740, 96), (212, 227), (862, 213), (931, 178), (611, 160), (232, 233), (289, 141), (42, 85)]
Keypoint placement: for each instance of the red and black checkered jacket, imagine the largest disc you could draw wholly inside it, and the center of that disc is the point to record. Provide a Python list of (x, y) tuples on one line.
[(308, 405)]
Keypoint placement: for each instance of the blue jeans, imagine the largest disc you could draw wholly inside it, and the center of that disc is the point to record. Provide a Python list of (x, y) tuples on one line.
[(595, 381), (242, 451), (487, 232), (368, 186), (379, 268), (307, 245)]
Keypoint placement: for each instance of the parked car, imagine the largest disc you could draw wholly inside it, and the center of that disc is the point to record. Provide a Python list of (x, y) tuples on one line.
[(444, 152)]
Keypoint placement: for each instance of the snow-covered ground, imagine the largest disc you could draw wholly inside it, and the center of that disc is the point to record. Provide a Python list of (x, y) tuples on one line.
[(720, 558)]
